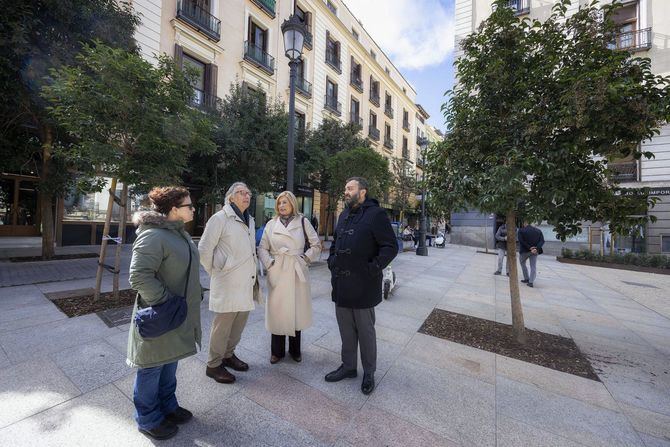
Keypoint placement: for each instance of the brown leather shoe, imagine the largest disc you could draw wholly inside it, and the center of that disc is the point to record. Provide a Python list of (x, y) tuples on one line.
[(235, 363), (220, 374), (274, 359)]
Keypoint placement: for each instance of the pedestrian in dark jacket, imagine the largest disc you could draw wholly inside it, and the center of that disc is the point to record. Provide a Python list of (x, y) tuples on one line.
[(531, 241), (501, 246), (159, 269), (363, 245)]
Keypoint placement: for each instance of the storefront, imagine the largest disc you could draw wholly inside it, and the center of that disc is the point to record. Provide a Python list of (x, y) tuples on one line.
[(19, 206)]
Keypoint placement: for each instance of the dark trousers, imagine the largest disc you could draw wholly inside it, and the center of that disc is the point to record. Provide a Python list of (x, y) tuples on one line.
[(279, 345), (154, 394), (357, 328)]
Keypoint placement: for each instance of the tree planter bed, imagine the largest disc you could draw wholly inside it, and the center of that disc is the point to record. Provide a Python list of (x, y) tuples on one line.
[(611, 265)]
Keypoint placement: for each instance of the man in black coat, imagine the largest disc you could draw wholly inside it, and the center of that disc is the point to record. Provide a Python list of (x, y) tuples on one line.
[(363, 245)]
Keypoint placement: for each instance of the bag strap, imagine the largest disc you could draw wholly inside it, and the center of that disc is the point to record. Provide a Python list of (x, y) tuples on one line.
[(307, 244), (188, 269)]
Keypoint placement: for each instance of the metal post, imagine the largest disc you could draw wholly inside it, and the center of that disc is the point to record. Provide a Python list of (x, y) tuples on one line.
[(293, 66), (422, 250)]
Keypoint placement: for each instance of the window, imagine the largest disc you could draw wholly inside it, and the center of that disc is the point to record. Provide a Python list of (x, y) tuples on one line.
[(332, 52), (374, 89), (332, 7), (665, 243), (373, 54), (405, 150), (199, 80), (331, 88), (388, 72), (387, 131), (306, 18), (355, 34), (300, 69), (299, 122), (373, 119), (356, 75), (404, 90), (355, 111), (388, 100), (257, 36)]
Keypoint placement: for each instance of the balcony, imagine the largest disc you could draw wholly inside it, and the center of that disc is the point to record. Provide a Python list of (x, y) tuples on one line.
[(354, 118), (374, 98), (373, 133), (405, 125), (388, 110), (333, 60), (633, 41), (333, 105), (356, 83), (388, 142), (192, 14), (419, 159), (624, 171), (259, 58), (405, 153), (203, 101), (309, 38), (419, 140), (268, 6), (303, 87)]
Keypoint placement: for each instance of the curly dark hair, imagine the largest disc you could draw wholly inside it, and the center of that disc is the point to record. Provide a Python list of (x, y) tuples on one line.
[(163, 198)]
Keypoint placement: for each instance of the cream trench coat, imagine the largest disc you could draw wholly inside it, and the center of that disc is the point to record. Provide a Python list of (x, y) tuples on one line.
[(289, 305), (228, 253)]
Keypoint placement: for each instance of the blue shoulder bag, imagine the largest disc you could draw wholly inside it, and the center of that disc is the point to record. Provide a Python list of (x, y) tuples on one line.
[(154, 321)]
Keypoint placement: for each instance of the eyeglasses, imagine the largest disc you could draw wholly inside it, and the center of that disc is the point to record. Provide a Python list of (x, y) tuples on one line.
[(244, 193), (190, 205)]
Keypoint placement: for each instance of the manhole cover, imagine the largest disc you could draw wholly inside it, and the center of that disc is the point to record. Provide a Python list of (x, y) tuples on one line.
[(639, 284), (116, 317)]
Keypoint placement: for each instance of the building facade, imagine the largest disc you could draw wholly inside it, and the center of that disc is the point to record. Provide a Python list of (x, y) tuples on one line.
[(643, 27)]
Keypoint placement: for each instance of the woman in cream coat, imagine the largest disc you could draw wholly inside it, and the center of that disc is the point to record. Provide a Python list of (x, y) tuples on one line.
[(289, 306)]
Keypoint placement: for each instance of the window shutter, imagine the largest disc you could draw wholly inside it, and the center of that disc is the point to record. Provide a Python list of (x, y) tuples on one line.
[(178, 56), (211, 71)]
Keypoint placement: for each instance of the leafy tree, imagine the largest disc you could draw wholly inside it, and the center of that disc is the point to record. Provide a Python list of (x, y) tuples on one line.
[(129, 120), (251, 137), (403, 186), (36, 37), (357, 162), (538, 110)]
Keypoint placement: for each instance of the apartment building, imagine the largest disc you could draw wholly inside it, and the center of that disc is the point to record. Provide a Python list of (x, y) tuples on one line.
[(643, 29)]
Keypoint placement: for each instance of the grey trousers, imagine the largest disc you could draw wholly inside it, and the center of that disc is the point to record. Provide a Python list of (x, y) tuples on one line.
[(523, 257), (501, 255), (226, 334), (357, 327)]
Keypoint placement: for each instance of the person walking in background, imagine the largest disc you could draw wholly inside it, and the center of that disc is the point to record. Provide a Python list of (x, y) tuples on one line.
[(288, 246), (164, 266), (228, 253), (531, 241), (501, 246), (364, 243)]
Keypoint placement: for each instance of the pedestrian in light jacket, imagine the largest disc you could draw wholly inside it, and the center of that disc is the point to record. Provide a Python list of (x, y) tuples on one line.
[(282, 252), (159, 270), (364, 243), (501, 246), (228, 253), (531, 241)]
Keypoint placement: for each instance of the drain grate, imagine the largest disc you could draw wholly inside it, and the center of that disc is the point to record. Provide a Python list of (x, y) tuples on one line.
[(639, 284), (116, 317)]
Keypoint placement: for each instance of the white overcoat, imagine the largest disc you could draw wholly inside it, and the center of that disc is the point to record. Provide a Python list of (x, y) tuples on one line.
[(228, 253), (289, 304)]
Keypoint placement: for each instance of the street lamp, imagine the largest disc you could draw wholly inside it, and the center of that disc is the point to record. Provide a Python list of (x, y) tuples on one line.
[(294, 38), (421, 249)]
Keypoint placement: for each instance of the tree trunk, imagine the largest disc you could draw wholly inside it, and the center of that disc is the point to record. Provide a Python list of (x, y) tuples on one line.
[(123, 218), (46, 197), (103, 245), (518, 325)]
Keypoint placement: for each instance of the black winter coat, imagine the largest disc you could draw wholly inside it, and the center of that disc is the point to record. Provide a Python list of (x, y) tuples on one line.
[(363, 245)]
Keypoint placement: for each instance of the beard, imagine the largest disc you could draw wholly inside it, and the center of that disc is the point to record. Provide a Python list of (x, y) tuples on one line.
[(352, 200)]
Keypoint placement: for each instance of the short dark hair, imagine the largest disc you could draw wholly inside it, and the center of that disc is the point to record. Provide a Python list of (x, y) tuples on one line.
[(362, 183), (163, 198)]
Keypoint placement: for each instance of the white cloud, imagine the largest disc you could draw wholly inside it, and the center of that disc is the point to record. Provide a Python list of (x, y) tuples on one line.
[(414, 33)]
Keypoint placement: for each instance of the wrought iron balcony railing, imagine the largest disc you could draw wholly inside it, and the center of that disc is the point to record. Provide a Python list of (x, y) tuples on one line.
[(188, 11), (258, 57), (333, 60), (354, 118), (520, 7), (388, 142), (374, 98), (633, 41), (266, 5), (204, 101), (333, 105), (373, 133), (388, 110), (405, 125), (303, 87), (356, 82)]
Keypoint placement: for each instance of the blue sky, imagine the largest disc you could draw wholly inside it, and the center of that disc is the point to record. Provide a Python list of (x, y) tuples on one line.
[(418, 36)]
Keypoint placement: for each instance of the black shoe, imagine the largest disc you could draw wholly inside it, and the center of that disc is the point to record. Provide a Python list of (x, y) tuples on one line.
[(368, 383), (524, 280), (296, 358), (179, 416), (340, 373), (530, 284), (497, 273), (165, 430)]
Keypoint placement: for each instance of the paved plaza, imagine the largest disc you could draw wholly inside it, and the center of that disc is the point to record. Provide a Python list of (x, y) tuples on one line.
[(65, 382)]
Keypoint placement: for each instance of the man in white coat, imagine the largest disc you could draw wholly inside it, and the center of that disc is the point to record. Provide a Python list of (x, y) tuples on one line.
[(228, 253)]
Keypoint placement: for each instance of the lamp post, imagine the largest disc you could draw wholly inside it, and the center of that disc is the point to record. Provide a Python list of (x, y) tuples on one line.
[(421, 249), (294, 38)]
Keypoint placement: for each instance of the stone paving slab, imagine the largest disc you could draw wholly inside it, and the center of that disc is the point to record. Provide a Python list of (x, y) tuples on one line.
[(512, 433)]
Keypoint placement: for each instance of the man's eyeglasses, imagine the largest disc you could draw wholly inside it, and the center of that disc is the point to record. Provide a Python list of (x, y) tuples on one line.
[(244, 193), (190, 205)]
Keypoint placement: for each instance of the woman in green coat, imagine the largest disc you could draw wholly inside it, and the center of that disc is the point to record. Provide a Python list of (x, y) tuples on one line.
[(158, 269)]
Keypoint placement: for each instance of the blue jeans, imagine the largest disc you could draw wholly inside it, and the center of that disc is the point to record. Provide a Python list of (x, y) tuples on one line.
[(154, 394)]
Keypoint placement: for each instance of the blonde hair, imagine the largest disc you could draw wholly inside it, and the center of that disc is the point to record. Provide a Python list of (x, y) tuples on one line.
[(291, 199)]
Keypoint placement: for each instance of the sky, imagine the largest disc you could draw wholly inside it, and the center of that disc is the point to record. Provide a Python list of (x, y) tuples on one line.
[(418, 36)]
